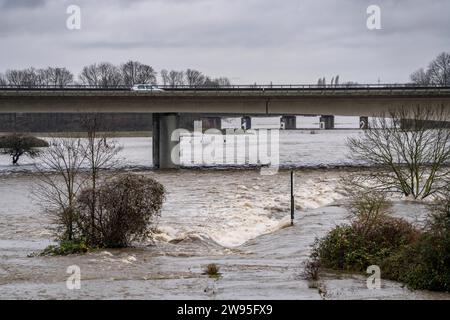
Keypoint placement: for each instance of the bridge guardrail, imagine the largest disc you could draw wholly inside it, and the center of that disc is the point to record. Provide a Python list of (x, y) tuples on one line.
[(269, 87)]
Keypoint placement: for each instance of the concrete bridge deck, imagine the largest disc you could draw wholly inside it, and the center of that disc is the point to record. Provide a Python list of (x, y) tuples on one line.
[(355, 101)]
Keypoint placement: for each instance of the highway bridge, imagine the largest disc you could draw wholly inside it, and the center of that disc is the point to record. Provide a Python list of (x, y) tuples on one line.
[(250, 100), (362, 100)]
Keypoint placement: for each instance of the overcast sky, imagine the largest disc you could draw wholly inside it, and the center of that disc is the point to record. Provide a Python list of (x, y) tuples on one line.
[(288, 41)]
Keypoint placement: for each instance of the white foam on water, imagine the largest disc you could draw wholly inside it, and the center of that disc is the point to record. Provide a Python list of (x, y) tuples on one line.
[(244, 210), (251, 213)]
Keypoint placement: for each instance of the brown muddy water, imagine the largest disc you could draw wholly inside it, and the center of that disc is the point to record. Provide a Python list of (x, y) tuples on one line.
[(237, 219)]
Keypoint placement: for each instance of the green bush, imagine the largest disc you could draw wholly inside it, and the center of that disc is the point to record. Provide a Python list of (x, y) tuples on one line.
[(354, 247), (65, 248), (425, 264), (212, 270), (419, 259)]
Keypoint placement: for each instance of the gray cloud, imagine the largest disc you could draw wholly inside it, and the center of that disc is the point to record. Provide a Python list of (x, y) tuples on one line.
[(288, 41), (11, 4)]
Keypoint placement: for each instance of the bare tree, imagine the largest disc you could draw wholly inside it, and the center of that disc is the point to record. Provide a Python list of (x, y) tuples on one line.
[(101, 154), (90, 75), (71, 166), (165, 77), (321, 82), (176, 78), (103, 74), (109, 74), (17, 145), (14, 77), (421, 77), (60, 180), (222, 81), (217, 82), (134, 72), (437, 73), (412, 149), (3, 81), (194, 78), (439, 69), (58, 77), (24, 77)]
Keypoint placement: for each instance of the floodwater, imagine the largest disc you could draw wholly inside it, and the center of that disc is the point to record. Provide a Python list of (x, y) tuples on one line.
[(236, 218)]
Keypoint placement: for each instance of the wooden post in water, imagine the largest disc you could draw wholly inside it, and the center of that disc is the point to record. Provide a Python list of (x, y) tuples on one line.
[(292, 198)]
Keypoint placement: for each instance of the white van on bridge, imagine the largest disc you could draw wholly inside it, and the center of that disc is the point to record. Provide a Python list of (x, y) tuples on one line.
[(146, 88)]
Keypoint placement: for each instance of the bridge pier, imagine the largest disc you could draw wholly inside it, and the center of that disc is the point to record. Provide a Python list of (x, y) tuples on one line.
[(211, 123), (186, 121), (328, 122), (363, 122), (289, 122), (246, 123), (163, 126)]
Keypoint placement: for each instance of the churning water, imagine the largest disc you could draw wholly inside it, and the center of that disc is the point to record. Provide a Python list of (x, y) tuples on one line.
[(234, 217)]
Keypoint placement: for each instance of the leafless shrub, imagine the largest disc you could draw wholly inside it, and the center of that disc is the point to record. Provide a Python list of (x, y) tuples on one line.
[(101, 154), (126, 210), (368, 205), (311, 270)]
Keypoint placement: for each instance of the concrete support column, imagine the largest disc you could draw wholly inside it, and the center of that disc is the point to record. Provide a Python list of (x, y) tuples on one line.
[(246, 123), (163, 127), (186, 121), (208, 122), (290, 122), (211, 123), (363, 122), (328, 121)]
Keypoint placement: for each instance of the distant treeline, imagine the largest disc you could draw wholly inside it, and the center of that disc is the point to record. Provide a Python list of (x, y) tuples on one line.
[(108, 74), (437, 72), (135, 72)]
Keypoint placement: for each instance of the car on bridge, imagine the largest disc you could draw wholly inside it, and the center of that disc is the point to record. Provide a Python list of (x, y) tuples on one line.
[(146, 88)]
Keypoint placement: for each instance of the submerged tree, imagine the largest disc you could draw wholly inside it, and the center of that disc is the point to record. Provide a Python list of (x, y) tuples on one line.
[(126, 210), (411, 147), (17, 145), (60, 180), (101, 155)]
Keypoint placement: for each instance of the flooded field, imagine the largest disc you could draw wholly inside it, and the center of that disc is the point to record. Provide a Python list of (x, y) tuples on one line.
[(237, 219)]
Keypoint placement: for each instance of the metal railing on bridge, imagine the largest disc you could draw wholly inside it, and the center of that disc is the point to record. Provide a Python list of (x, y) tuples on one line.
[(253, 87)]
